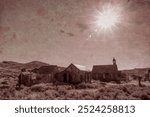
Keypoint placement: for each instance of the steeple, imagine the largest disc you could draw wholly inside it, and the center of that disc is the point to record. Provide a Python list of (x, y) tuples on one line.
[(114, 61)]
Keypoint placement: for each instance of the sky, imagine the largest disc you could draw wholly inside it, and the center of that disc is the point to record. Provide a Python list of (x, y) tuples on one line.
[(61, 32)]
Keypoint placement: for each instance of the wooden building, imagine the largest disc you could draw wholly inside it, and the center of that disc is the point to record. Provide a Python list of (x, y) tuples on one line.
[(149, 75), (74, 74), (105, 73), (24, 78), (45, 74)]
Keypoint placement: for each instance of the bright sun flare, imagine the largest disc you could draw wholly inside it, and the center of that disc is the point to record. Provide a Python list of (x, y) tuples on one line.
[(108, 18)]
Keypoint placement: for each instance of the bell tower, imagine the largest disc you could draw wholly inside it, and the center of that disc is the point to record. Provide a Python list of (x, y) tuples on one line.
[(115, 69), (114, 61)]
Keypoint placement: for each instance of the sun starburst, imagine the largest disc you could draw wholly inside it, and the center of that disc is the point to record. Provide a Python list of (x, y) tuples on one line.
[(108, 17)]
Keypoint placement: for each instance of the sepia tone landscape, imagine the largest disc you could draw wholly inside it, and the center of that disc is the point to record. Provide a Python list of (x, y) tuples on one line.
[(43, 85), (75, 49)]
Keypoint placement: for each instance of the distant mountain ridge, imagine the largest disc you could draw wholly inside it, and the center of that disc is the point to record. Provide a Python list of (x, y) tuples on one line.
[(37, 64), (16, 65), (136, 71)]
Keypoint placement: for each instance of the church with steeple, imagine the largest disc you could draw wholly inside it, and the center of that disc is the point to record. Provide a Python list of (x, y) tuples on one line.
[(106, 73)]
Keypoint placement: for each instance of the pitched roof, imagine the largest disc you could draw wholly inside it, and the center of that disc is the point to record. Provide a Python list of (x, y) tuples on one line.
[(81, 67), (46, 69), (104, 68), (60, 69)]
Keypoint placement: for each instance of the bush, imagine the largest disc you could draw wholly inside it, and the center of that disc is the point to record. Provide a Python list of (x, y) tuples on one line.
[(62, 91), (80, 86), (51, 94), (86, 86), (39, 88), (145, 97)]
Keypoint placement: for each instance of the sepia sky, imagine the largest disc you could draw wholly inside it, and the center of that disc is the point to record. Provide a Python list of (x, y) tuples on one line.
[(58, 31)]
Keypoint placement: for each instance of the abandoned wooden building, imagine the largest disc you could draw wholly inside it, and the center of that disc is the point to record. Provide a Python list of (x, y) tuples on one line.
[(46, 74), (24, 78), (43, 74), (148, 75), (105, 73), (74, 74)]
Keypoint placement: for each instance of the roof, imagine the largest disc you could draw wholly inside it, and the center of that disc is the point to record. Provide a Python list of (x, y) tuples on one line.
[(104, 68), (26, 73), (46, 69), (60, 69), (81, 67)]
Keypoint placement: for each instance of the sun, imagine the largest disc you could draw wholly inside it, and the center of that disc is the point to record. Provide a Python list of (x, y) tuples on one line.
[(108, 17)]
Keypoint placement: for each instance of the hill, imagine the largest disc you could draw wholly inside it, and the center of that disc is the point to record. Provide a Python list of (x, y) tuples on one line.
[(137, 71), (34, 64), (18, 66), (10, 65)]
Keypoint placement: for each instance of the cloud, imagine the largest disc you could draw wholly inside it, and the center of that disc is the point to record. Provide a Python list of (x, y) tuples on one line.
[(82, 26), (68, 33), (62, 31)]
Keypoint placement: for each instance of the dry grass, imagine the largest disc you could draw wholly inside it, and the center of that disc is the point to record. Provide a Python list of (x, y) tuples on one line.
[(83, 91)]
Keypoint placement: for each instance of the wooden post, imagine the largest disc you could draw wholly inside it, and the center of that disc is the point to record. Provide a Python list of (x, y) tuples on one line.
[(103, 75), (149, 75), (67, 79), (140, 78)]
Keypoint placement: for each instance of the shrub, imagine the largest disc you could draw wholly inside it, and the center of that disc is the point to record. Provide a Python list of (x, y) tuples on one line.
[(4, 82), (51, 94), (86, 86), (80, 86), (124, 89), (145, 97), (62, 90), (101, 90), (39, 88), (4, 87)]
